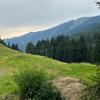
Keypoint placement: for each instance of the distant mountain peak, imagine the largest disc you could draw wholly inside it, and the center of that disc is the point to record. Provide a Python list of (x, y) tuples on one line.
[(79, 25)]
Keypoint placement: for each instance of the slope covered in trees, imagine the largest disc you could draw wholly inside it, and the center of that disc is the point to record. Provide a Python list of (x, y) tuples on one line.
[(81, 49)]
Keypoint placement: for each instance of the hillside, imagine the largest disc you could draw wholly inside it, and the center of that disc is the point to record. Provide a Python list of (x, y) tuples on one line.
[(84, 24), (12, 61)]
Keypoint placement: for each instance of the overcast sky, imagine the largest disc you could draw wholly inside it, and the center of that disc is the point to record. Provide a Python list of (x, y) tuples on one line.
[(21, 16)]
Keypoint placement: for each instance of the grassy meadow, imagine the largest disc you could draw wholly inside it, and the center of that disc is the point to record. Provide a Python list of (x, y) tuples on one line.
[(12, 61)]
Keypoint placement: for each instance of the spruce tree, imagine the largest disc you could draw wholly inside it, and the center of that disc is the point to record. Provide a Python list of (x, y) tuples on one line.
[(82, 49), (15, 47), (30, 48), (97, 50)]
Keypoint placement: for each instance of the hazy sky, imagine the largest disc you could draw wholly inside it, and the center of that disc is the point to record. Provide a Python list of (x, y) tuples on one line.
[(22, 16)]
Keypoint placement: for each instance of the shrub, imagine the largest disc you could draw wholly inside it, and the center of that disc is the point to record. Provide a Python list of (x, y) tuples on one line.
[(34, 85), (48, 92), (29, 82)]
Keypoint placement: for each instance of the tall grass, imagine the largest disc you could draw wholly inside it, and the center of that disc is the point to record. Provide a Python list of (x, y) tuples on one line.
[(93, 92), (34, 84)]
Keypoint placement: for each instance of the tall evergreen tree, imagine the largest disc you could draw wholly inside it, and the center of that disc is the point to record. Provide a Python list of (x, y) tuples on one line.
[(15, 47), (8, 45), (82, 49), (30, 48), (97, 50), (2, 42)]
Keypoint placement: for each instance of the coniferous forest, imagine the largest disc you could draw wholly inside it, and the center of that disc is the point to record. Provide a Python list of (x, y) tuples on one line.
[(68, 49)]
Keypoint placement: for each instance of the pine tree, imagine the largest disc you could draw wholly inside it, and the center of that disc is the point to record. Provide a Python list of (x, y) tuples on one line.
[(15, 47), (97, 50), (30, 48), (2, 42), (8, 45), (82, 49)]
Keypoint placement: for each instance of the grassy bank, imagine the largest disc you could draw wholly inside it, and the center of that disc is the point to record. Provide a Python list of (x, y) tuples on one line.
[(12, 61)]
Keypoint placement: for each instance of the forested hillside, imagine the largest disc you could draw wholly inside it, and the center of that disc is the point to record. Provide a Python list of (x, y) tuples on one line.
[(84, 48)]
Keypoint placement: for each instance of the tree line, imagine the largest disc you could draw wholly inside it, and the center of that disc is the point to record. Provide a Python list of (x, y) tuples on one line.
[(2, 42), (13, 46), (66, 49)]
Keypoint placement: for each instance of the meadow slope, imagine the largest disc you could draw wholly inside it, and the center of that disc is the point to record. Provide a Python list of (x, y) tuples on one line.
[(12, 61)]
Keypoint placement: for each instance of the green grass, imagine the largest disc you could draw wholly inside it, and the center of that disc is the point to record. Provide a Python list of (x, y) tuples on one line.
[(12, 61)]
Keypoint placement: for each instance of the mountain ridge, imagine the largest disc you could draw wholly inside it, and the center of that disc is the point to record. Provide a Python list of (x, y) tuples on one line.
[(83, 24)]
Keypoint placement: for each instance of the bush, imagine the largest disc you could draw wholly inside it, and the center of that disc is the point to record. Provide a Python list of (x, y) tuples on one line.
[(29, 82), (48, 92), (33, 84)]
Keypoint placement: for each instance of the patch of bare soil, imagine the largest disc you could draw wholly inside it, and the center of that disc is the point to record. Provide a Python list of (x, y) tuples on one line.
[(2, 72), (70, 88)]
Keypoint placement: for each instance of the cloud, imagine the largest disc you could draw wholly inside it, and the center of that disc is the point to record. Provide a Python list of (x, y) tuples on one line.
[(23, 13)]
